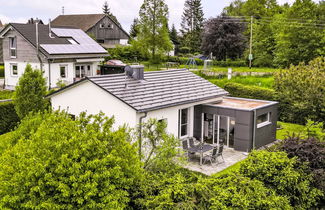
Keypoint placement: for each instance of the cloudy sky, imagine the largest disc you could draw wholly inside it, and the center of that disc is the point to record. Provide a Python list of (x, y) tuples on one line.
[(125, 10)]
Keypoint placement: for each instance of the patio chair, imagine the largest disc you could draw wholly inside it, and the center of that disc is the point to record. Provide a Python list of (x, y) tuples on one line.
[(185, 148), (219, 154), (191, 142), (212, 157)]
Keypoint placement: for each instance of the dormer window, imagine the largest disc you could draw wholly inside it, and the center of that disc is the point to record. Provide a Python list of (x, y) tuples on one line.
[(13, 47), (72, 41), (101, 25)]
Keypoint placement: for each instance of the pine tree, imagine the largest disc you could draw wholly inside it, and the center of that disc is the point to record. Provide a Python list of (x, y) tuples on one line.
[(107, 11), (173, 34), (153, 34), (134, 31), (192, 24)]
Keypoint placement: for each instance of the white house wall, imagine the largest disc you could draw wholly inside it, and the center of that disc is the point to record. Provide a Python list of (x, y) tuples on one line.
[(92, 99), (171, 116)]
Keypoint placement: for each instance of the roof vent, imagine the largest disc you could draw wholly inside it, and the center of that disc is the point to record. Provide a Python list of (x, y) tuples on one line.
[(135, 71)]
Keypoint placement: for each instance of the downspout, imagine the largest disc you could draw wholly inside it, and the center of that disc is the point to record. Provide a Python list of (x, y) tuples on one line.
[(50, 84), (37, 48), (140, 133), (254, 129)]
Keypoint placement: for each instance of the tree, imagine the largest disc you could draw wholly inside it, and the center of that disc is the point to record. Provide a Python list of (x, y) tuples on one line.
[(153, 31), (69, 164), (134, 31), (223, 37), (284, 175), (30, 92), (173, 35), (298, 38), (301, 90), (192, 24), (107, 11)]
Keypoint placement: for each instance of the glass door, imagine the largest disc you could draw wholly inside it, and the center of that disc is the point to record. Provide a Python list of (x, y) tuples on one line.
[(225, 130)]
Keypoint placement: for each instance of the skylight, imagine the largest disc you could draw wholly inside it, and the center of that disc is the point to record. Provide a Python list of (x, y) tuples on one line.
[(72, 41)]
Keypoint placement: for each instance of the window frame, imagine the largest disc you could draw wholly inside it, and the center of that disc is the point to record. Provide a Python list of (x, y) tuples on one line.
[(65, 71), (11, 69), (13, 47), (264, 123), (187, 124)]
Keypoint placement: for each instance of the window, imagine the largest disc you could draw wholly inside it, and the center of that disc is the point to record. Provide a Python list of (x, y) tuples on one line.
[(63, 71), (83, 70), (101, 41), (263, 120), (101, 25), (14, 69), (13, 47), (184, 122), (72, 41)]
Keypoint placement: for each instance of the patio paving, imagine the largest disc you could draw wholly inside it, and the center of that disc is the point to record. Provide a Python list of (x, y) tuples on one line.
[(230, 155)]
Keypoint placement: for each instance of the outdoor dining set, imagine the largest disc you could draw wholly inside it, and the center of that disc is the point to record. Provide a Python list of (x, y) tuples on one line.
[(208, 152)]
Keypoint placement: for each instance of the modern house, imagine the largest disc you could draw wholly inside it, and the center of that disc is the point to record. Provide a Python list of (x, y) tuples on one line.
[(64, 54), (100, 26), (191, 106)]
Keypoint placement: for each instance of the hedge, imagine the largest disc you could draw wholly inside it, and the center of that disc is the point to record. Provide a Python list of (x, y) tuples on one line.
[(2, 71), (253, 92), (227, 63), (8, 117), (6, 94)]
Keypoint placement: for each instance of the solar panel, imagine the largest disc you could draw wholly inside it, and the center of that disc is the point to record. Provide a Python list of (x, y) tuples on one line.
[(85, 43)]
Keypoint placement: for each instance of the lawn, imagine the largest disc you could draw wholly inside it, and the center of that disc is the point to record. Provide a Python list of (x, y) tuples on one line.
[(289, 129), (236, 69), (6, 94), (2, 71), (260, 81)]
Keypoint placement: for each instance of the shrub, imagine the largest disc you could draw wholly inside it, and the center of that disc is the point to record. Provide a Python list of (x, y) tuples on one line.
[(233, 191), (311, 151), (67, 164), (301, 91), (30, 92), (126, 53), (8, 117), (282, 174), (2, 71), (254, 92)]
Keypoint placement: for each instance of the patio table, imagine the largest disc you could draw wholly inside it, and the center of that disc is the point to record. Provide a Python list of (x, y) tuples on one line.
[(201, 149)]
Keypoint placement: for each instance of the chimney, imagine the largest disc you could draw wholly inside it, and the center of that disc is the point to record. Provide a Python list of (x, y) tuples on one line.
[(135, 71), (50, 29)]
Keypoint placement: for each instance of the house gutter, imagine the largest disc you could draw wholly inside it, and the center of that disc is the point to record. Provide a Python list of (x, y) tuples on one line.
[(140, 132)]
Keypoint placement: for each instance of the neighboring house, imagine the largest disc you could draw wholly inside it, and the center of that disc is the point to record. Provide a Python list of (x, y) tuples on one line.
[(100, 26), (191, 106), (1, 51), (66, 54)]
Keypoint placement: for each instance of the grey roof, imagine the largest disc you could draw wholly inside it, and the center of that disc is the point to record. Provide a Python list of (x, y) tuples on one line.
[(160, 89), (59, 43)]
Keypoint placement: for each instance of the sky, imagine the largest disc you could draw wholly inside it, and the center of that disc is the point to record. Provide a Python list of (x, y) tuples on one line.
[(20, 11)]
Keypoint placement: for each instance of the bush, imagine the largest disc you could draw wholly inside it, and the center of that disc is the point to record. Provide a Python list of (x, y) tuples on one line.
[(2, 71), (230, 63), (126, 54), (8, 117), (67, 164), (238, 90), (234, 191), (311, 151), (301, 91), (284, 175)]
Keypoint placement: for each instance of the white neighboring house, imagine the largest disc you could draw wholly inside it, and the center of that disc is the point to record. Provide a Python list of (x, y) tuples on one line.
[(165, 95), (65, 54)]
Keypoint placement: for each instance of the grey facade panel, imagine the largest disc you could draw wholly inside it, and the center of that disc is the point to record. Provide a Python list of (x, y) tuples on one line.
[(197, 121), (244, 117), (243, 132), (242, 145)]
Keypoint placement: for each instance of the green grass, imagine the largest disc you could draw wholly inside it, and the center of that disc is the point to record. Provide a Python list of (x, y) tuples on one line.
[(230, 169), (260, 81), (2, 71), (6, 94), (237, 69), (289, 129)]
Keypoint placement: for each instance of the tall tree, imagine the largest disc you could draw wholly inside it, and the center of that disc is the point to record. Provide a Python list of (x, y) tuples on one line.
[(134, 30), (107, 11), (173, 35), (153, 31), (223, 37), (192, 24), (30, 92)]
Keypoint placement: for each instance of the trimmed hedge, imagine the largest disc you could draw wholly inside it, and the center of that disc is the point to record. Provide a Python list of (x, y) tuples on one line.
[(2, 71), (6, 94), (253, 92), (8, 117)]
